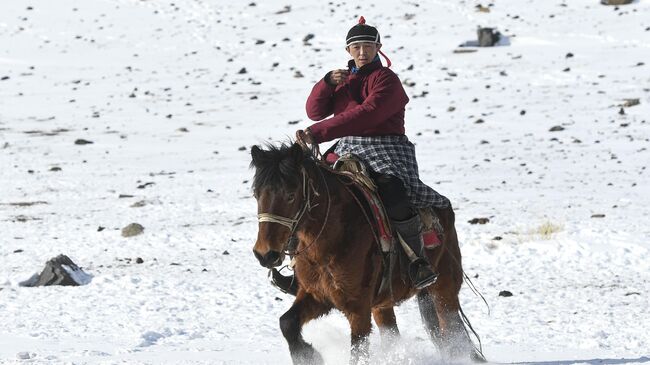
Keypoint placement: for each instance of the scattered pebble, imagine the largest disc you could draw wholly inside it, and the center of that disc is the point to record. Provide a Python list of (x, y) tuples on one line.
[(82, 142), (132, 229), (23, 355), (478, 221)]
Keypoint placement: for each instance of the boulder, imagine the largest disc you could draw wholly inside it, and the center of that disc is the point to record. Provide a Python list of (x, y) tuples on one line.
[(60, 270), (488, 37), (132, 229)]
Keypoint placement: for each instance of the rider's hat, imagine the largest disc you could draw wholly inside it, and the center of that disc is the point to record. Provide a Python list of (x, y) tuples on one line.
[(362, 32)]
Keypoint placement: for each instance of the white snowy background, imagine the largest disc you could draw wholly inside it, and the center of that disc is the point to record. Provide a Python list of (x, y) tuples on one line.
[(173, 94)]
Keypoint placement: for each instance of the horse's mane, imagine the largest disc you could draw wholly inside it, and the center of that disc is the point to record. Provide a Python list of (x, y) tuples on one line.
[(279, 167)]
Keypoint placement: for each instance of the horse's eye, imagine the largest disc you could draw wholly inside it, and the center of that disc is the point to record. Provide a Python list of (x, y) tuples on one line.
[(291, 197)]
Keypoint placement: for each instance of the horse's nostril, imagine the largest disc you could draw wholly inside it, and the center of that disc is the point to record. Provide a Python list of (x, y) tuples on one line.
[(259, 257), (271, 258)]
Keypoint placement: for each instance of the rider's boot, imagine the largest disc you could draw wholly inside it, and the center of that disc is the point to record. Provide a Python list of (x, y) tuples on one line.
[(287, 284), (420, 270)]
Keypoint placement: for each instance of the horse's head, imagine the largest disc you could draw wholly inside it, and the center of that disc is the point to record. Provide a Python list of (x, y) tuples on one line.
[(279, 190)]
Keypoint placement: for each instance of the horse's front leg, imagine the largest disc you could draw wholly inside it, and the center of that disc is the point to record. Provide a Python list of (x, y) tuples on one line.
[(304, 309), (360, 327), (387, 324)]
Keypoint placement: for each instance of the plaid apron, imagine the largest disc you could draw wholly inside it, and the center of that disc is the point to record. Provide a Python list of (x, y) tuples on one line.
[(393, 155)]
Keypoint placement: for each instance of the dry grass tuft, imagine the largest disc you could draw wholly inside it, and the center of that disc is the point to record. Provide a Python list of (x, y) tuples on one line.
[(547, 229)]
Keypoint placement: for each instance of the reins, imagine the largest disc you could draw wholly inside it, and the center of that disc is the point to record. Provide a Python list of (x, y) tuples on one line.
[(327, 214), (363, 210)]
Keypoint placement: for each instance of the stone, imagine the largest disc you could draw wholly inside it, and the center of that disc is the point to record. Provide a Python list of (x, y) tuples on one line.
[(23, 355), (505, 293), (615, 2), (630, 102), (286, 9), (464, 50), (132, 229), (308, 37), (488, 37), (82, 142), (60, 270)]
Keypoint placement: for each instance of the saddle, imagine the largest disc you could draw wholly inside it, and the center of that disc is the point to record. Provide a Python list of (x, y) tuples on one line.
[(366, 192)]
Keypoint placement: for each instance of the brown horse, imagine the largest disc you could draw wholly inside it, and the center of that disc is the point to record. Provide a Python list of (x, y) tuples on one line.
[(306, 210)]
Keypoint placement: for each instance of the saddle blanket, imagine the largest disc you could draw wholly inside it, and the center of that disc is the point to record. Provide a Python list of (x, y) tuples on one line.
[(355, 169)]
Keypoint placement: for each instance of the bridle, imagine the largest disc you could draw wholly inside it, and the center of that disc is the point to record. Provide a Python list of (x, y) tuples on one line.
[(308, 191)]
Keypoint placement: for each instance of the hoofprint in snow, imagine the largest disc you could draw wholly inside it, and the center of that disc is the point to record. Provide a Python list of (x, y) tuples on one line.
[(172, 96)]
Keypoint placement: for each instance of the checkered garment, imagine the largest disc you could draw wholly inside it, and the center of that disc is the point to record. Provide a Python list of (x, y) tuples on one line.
[(393, 155)]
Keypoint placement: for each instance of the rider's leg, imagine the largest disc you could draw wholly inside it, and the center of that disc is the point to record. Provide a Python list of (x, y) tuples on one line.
[(407, 223)]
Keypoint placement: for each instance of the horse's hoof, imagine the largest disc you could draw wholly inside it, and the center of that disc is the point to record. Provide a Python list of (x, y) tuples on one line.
[(307, 357), (478, 357), (317, 359)]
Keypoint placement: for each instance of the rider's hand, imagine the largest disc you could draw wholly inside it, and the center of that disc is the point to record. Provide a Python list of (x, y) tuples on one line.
[(337, 76), (305, 136)]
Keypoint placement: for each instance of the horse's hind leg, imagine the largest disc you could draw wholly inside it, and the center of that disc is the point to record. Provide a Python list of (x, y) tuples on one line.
[(387, 324), (304, 309), (429, 316), (454, 340)]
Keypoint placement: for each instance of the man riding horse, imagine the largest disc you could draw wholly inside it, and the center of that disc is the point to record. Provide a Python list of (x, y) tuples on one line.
[(368, 101)]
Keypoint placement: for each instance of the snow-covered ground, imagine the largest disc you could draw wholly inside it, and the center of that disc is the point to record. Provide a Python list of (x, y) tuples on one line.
[(173, 94)]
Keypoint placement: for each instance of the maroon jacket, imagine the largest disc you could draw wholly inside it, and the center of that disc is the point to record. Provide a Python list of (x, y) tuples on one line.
[(370, 103)]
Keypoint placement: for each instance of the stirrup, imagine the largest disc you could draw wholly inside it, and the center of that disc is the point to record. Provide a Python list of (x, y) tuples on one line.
[(286, 284), (421, 274)]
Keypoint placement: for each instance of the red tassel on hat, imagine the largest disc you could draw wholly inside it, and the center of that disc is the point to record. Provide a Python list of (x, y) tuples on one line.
[(388, 63), (362, 20)]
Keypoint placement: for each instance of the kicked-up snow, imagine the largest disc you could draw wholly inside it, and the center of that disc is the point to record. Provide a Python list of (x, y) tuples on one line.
[(115, 112)]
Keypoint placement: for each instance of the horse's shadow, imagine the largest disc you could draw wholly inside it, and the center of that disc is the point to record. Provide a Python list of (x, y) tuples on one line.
[(642, 359)]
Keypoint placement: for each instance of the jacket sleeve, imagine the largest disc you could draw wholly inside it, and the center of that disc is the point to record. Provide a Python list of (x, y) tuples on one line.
[(320, 103), (386, 98)]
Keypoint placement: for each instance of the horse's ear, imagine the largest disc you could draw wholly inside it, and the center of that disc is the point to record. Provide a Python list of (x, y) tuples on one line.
[(256, 155), (297, 154)]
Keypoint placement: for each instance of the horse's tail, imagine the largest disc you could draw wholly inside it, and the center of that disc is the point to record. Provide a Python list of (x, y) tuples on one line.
[(477, 355)]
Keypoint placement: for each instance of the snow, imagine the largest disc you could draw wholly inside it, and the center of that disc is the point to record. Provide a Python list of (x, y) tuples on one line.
[(129, 75)]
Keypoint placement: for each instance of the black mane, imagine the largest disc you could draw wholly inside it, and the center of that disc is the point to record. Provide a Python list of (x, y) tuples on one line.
[(278, 167)]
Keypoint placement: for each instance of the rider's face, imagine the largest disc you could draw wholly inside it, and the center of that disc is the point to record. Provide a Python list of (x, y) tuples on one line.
[(363, 53)]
